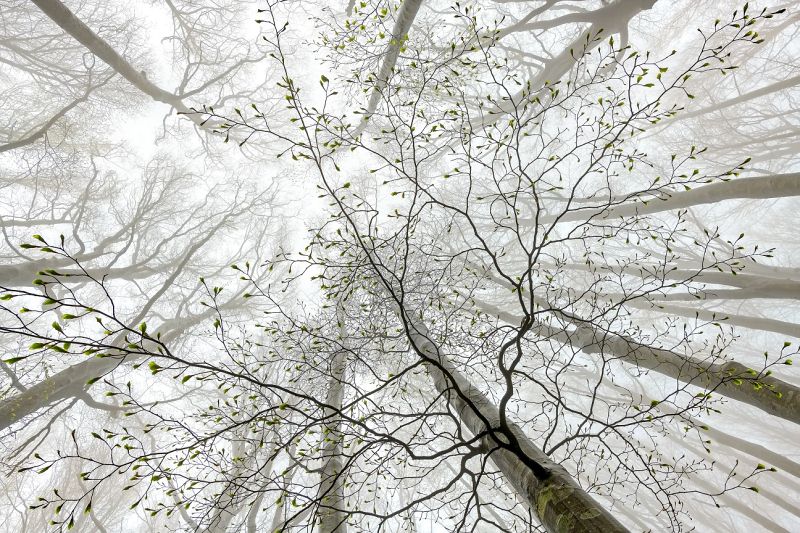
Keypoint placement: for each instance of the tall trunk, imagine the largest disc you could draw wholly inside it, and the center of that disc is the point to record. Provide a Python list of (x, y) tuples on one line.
[(266, 471), (552, 493), (726, 498), (777, 290), (741, 446), (731, 379), (74, 380), (732, 319), (757, 285), (332, 518), (252, 514), (279, 518), (72, 25), (22, 274), (610, 19), (405, 18), (777, 186), (750, 95), (226, 508)]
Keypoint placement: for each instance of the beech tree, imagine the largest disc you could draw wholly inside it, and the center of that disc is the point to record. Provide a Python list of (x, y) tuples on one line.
[(535, 274)]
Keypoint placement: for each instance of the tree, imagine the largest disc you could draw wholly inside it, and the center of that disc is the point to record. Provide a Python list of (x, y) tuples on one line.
[(481, 331)]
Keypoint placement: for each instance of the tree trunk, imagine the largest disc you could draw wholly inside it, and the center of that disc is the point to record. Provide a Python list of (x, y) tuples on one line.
[(252, 514), (73, 381), (332, 518), (783, 327), (279, 518), (67, 21), (226, 508), (753, 285), (751, 95), (405, 18), (778, 186), (610, 19), (552, 493), (731, 379)]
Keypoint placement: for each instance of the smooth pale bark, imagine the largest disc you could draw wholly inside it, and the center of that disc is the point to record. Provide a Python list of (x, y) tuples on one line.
[(266, 471), (279, 518), (756, 285), (23, 274), (612, 18), (762, 454), (332, 517), (67, 21), (402, 24), (754, 273), (181, 509), (781, 290), (68, 383), (782, 463), (715, 436), (32, 222), (728, 500), (403, 21), (720, 378), (609, 17), (226, 510), (74, 381), (558, 501), (778, 186), (744, 97), (732, 319), (410, 519), (252, 514)]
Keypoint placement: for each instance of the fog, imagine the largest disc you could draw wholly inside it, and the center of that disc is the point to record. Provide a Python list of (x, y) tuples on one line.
[(407, 266)]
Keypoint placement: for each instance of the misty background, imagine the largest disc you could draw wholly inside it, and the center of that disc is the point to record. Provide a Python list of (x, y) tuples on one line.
[(399, 266)]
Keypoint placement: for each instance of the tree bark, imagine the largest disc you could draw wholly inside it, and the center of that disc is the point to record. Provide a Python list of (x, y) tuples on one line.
[(756, 285), (610, 19), (778, 186), (226, 509), (744, 97), (552, 493), (73, 381), (730, 379), (67, 21), (266, 471), (332, 518), (405, 18), (279, 518), (750, 322)]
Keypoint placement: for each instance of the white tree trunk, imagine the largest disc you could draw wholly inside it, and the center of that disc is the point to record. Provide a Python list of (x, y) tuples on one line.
[(778, 186), (332, 517), (730, 379)]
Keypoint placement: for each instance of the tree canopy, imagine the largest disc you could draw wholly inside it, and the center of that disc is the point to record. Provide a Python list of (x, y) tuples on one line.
[(399, 266)]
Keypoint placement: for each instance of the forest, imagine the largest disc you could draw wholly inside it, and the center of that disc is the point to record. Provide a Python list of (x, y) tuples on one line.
[(399, 266)]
